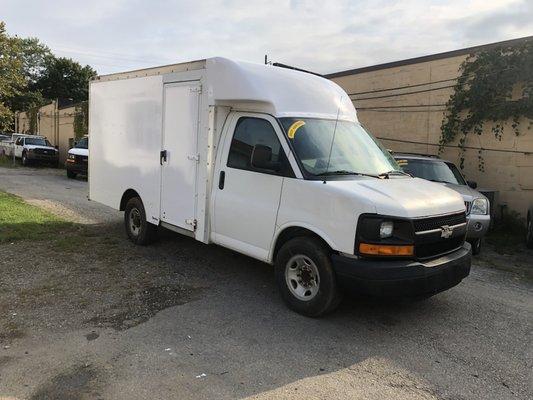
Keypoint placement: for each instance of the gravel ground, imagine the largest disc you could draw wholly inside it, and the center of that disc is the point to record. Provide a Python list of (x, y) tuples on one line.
[(91, 316)]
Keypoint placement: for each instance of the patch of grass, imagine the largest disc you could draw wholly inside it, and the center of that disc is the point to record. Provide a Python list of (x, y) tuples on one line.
[(7, 162), (22, 221)]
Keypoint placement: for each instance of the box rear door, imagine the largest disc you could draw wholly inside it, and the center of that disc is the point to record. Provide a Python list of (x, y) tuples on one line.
[(180, 149)]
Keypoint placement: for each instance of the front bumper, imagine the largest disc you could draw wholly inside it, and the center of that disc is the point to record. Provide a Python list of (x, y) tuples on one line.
[(43, 157), (77, 167), (478, 225), (399, 278)]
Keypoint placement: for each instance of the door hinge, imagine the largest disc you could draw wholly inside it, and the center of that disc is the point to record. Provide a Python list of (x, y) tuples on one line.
[(195, 157), (192, 222), (196, 89)]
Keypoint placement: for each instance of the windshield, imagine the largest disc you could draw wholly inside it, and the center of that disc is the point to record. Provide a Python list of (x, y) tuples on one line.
[(83, 144), (37, 142), (353, 149), (432, 170)]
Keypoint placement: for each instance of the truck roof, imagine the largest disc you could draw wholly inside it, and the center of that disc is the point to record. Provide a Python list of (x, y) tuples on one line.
[(276, 90)]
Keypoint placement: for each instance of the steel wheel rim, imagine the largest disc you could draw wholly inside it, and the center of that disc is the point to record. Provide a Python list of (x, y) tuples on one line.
[(302, 277), (135, 221)]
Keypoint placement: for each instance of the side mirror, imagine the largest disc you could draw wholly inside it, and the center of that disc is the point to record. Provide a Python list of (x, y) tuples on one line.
[(262, 158), (472, 184)]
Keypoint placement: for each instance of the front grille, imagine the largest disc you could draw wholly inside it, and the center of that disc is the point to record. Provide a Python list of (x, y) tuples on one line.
[(80, 159), (427, 224), (44, 151), (432, 244), (440, 246)]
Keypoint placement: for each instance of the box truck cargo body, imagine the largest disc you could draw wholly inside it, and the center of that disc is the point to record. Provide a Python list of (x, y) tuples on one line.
[(272, 163)]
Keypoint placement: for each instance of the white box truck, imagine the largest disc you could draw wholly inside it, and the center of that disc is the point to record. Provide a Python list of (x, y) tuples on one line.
[(272, 163)]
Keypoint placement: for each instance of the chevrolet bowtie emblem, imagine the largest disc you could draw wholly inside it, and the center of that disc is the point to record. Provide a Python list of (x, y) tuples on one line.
[(446, 231)]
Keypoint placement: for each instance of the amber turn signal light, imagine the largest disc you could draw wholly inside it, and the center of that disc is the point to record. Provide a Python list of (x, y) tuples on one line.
[(385, 250)]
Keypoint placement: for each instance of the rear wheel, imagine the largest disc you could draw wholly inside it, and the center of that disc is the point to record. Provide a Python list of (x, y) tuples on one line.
[(529, 234), (138, 229), (71, 174), (305, 277)]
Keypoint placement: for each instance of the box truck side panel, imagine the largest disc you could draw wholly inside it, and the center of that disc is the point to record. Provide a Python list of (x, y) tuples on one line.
[(125, 127), (181, 157)]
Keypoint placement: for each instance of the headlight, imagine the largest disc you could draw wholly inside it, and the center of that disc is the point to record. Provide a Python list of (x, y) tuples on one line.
[(384, 236), (30, 150), (71, 157), (480, 207), (385, 229)]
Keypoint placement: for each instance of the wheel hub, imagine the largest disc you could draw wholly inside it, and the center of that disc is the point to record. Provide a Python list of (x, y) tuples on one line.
[(302, 277), (135, 221)]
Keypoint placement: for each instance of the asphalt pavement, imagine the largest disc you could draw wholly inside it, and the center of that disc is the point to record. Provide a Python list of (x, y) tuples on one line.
[(232, 337)]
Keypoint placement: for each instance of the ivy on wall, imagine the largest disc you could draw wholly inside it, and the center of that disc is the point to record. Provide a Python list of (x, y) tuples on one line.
[(495, 86), (81, 119), (33, 120)]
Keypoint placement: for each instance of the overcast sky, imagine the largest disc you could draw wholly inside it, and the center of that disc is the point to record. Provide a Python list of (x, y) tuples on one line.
[(320, 35)]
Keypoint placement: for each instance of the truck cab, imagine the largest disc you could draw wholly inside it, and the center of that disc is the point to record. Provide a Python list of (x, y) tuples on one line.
[(272, 163)]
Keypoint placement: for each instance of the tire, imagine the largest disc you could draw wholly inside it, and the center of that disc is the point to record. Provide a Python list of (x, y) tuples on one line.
[(25, 160), (318, 294), (139, 230), (476, 246), (71, 174), (529, 233)]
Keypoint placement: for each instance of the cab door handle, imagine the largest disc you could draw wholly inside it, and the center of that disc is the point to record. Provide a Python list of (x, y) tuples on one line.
[(221, 180), (162, 157)]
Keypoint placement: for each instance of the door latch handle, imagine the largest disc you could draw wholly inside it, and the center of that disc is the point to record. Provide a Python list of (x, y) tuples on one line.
[(162, 157), (221, 180)]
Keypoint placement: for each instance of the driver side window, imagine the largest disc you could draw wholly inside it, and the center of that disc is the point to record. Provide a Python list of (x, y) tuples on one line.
[(256, 134)]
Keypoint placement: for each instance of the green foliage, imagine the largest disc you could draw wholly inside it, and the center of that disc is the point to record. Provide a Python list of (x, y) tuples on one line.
[(64, 78), (81, 119), (33, 122), (11, 76), (495, 86), (30, 75)]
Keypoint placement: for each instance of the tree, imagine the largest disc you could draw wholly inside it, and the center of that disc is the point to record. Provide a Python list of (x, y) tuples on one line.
[(33, 55), (64, 78), (11, 76)]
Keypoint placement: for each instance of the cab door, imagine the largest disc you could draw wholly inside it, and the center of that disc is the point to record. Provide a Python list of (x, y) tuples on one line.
[(247, 196), (18, 145)]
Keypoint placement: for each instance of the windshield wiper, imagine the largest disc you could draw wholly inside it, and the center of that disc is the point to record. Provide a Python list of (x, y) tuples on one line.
[(387, 174), (436, 180), (345, 172)]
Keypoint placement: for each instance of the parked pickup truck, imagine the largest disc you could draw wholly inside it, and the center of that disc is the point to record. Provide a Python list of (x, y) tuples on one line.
[(34, 148), (272, 163), (77, 158)]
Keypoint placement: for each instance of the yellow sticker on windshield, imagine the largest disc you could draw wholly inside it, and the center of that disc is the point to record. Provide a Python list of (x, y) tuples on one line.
[(294, 127)]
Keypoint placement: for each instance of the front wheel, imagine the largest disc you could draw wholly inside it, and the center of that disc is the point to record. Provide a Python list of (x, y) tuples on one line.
[(25, 160), (476, 246), (305, 277), (71, 174), (138, 229)]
